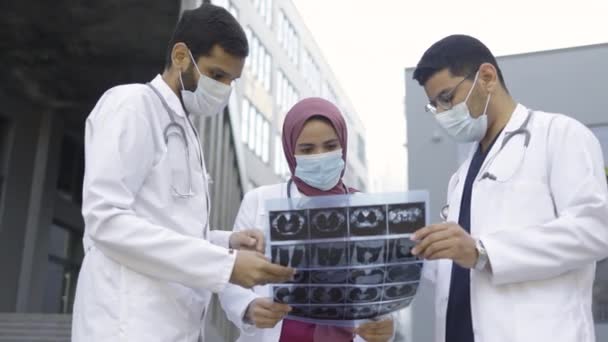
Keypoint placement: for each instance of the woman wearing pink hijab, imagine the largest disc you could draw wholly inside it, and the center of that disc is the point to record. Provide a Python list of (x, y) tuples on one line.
[(315, 146)]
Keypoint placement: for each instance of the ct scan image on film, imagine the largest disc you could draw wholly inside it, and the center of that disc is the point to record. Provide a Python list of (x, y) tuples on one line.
[(352, 254)]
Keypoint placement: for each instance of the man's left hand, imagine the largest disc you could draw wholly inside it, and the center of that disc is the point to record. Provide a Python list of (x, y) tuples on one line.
[(248, 239), (446, 241)]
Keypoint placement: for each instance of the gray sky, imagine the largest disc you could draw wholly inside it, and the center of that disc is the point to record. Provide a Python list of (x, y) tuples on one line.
[(368, 44)]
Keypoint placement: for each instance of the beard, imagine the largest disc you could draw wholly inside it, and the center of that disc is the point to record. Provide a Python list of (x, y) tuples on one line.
[(189, 79)]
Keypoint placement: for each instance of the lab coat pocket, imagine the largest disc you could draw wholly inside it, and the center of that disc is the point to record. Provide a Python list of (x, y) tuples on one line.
[(181, 174), (153, 299), (157, 189), (513, 204), (549, 310), (528, 203), (538, 321)]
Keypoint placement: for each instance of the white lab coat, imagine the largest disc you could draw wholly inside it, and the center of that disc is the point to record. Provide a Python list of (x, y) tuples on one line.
[(148, 272), (543, 230), (235, 299)]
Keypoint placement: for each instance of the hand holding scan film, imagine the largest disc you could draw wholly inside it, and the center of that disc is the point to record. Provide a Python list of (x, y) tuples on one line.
[(248, 239), (253, 268), (352, 254), (446, 241)]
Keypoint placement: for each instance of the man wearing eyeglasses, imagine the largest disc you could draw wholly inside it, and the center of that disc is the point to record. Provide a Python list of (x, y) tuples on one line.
[(527, 214)]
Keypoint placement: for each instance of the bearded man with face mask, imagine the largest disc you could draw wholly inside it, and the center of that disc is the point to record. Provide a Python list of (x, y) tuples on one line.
[(526, 214), (151, 262)]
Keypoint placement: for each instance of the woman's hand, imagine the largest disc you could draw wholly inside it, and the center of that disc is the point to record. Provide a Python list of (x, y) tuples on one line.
[(376, 331)]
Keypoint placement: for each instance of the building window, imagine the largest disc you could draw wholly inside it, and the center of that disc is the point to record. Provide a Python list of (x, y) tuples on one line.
[(286, 94), (4, 143), (265, 141), (264, 8), (256, 135), (252, 116), (278, 154), (311, 72), (245, 121), (280, 164), (288, 38), (71, 170), (361, 186), (249, 36), (259, 123), (361, 149), (260, 61), (64, 260), (328, 93)]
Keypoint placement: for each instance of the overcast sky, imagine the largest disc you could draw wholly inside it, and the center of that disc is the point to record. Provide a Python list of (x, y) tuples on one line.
[(368, 44)]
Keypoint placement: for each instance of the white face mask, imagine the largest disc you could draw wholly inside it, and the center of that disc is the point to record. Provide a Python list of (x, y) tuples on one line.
[(322, 171), (459, 123), (210, 96)]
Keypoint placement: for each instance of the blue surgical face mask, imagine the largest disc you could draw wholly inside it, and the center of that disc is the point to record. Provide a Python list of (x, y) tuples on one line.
[(322, 171)]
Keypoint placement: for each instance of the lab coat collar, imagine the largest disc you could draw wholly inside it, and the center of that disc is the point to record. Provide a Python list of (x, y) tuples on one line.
[(171, 98), (517, 118)]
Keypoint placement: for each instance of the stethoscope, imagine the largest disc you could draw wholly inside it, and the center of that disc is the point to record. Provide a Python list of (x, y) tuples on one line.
[(178, 131), (290, 182), (174, 129), (522, 130)]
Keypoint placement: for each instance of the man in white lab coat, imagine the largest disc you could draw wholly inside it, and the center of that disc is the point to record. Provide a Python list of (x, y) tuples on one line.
[(527, 213), (151, 261)]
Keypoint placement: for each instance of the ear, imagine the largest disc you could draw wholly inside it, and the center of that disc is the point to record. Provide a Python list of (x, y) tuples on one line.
[(488, 76), (180, 57)]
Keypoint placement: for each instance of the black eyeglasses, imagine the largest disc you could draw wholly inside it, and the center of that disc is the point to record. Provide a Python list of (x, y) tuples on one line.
[(444, 100)]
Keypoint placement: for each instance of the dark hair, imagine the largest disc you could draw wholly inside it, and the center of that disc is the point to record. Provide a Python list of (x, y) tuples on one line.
[(204, 27), (320, 118), (462, 55)]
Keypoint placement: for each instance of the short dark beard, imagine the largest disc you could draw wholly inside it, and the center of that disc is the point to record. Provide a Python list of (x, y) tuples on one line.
[(189, 79)]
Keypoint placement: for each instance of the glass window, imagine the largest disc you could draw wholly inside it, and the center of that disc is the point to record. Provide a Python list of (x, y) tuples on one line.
[(295, 49), (280, 28), (267, 72), (269, 12), (264, 8), (245, 121), (249, 37), (311, 72), (287, 37), (258, 128), (361, 149), (260, 61), (261, 64), (278, 156), (328, 93), (266, 142), (279, 88), (252, 118), (4, 134), (65, 256), (71, 170), (255, 50), (294, 97)]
